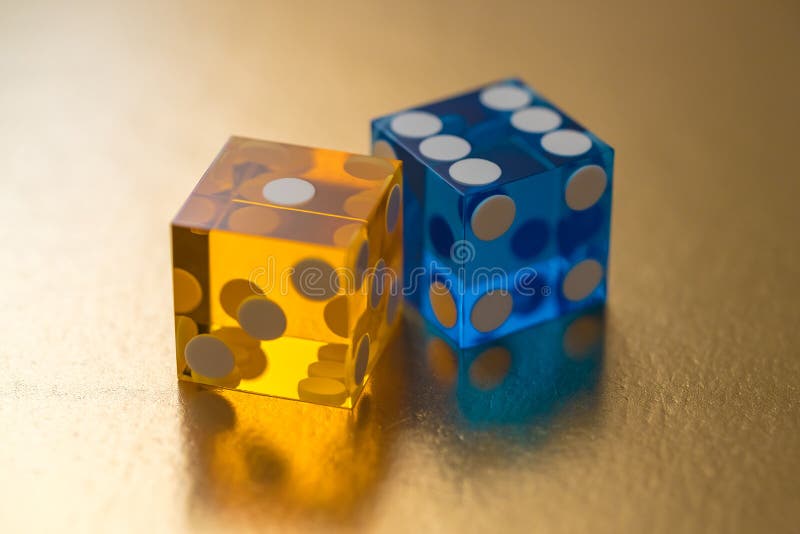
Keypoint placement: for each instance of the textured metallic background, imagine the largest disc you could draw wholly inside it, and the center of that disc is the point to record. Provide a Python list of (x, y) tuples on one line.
[(110, 113)]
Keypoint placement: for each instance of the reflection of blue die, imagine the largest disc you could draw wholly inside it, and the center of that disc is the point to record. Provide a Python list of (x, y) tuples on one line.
[(507, 210), (528, 373)]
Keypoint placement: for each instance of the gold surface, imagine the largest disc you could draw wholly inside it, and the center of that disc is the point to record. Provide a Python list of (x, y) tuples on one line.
[(109, 113)]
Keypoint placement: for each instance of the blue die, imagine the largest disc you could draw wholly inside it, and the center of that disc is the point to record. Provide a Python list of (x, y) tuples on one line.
[(507, 210)]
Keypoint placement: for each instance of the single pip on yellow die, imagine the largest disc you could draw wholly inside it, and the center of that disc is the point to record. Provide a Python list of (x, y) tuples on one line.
[(287, 265)]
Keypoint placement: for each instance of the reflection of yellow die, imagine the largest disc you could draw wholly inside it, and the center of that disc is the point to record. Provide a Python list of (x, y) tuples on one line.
[(286, 271)]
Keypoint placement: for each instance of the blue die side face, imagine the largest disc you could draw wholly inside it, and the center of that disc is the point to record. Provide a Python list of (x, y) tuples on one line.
[(508, 200)]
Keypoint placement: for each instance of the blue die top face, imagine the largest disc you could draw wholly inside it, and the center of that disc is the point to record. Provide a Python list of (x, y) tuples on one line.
[(500, 178), (491, 136)]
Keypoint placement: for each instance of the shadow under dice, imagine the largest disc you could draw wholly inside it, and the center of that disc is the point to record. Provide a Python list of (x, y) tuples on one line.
[(507, 206), (286, 271)]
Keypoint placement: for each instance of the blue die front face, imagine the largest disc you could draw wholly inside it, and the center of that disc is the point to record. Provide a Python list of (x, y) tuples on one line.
[(507, 210)]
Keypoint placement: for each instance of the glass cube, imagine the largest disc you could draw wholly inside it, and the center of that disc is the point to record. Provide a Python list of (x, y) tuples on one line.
[(507, 205), (286, 271)]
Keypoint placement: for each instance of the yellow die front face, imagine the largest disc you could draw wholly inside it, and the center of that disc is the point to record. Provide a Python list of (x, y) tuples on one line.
[(285, 259)]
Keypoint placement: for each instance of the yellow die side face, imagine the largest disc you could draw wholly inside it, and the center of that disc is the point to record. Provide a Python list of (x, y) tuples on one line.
[(384, 285), (274, 257)]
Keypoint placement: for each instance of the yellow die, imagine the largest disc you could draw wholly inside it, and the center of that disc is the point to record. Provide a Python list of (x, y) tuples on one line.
[(287, 265)]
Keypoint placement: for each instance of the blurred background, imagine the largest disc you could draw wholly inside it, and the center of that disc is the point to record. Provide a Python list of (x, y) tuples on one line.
[(679, 415)]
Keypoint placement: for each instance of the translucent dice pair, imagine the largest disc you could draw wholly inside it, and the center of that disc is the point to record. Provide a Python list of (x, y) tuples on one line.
[(286, 271), (507, 203)]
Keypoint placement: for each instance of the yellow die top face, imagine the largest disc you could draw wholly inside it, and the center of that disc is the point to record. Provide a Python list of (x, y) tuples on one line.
[(274, 190)]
